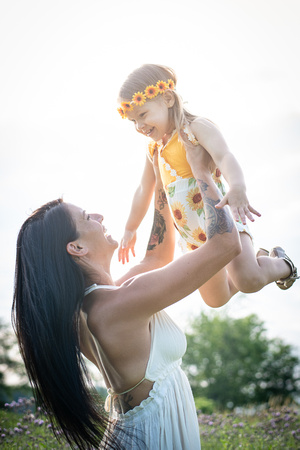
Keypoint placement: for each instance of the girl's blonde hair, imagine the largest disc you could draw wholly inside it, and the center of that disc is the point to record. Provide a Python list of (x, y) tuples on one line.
[(150, 74)]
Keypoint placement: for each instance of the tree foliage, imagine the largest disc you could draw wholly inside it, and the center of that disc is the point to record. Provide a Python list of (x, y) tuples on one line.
[(232, 362), (12, 370)]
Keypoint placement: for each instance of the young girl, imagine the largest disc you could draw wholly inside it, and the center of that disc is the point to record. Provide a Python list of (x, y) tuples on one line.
[(149, 99)]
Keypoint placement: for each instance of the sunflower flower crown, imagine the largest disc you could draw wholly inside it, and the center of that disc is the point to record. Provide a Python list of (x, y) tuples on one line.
[(139, 98)]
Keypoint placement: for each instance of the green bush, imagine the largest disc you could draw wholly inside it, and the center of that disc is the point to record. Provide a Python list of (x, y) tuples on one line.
[(205, 405), (234, 363)]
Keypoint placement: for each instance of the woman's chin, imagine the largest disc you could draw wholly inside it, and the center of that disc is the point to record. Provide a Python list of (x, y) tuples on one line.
[(112, 241)]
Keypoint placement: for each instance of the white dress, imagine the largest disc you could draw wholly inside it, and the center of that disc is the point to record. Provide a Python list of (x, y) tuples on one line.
[(167, 419)]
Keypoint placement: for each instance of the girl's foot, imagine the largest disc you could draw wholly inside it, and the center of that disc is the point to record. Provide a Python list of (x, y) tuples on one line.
[(262, 252), (285, 283)]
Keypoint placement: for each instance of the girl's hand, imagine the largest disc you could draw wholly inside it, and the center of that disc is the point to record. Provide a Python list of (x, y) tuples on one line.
[(127, 244), (237, 199)]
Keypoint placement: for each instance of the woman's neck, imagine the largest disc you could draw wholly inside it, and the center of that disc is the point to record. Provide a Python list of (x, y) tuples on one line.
[(98, 276)]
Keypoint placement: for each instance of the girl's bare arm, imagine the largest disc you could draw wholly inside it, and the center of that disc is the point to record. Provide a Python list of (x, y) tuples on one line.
[(140, 204), (160, 249), (212, 140)]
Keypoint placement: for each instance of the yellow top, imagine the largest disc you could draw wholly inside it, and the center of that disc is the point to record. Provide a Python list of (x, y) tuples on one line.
[(172, 160)]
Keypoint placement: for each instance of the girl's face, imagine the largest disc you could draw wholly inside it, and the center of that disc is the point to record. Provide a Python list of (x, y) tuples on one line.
[(152, 118)]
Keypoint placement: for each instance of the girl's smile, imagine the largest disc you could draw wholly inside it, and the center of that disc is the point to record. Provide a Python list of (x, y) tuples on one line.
[(152, 119)]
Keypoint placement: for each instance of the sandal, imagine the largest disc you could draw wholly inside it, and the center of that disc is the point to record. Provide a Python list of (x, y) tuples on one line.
[(285, 283), (262, 252)]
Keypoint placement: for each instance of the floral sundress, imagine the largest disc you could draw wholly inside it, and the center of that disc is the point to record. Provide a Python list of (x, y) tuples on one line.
[(182, 192)]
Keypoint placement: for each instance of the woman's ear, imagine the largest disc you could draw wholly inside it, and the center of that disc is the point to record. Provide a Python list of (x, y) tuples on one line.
[(169, 98), (74, 249)]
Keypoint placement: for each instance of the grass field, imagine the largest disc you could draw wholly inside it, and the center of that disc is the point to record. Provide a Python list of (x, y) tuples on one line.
[(23, 426)]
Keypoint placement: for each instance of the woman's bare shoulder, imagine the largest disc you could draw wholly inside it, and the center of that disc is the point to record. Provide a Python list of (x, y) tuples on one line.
[(112, 309)]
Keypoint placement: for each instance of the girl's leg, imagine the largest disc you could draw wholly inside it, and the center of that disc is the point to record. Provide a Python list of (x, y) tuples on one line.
[(250, 274), (218, 290), (245, 273)]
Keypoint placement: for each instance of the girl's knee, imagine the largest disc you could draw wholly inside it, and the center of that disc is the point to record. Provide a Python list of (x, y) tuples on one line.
[(249, 283), (215, 301)]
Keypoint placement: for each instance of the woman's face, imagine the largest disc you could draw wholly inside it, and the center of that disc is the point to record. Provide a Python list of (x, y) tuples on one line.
[(92, 232)]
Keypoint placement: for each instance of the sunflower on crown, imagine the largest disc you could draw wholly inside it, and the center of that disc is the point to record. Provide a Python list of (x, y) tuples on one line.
[(139, 98)]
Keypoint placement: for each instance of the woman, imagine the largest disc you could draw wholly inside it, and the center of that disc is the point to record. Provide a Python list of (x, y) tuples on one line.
[(65, 302)]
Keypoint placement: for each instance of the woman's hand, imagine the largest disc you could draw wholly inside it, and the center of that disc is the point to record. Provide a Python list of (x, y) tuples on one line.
[(197, 157), (155, 166)]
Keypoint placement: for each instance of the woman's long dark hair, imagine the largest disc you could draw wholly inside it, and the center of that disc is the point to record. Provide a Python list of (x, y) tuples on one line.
[(49, 290)]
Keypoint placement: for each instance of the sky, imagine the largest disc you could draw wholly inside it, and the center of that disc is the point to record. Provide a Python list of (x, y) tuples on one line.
[(62, 63)]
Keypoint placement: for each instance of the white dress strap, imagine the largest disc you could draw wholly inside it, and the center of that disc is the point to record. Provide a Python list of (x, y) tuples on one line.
[(190, 135), (95, 286), (112, 393)]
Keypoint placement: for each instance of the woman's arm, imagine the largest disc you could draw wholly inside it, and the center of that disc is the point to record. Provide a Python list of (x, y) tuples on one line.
[(140, 204)]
